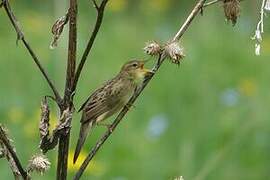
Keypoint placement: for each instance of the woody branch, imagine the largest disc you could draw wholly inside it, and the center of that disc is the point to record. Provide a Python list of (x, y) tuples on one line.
[(11, 156), (73, 76)]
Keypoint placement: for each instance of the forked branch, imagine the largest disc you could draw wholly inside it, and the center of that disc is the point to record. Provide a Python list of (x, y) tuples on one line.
[(100, 12)]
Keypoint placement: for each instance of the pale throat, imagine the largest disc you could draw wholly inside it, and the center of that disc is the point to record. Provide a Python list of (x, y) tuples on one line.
[(139, 77)]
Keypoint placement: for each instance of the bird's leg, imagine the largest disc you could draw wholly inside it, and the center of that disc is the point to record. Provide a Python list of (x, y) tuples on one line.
[(108, 126)]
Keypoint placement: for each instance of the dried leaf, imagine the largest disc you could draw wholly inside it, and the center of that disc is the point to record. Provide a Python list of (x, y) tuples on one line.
[(44, 120), (63, 127), (64, 122), (57, 29)]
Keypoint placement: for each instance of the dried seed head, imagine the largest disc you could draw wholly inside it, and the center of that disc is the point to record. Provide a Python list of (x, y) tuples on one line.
[(57, 29), (174, 52), (39, 163), (231, 10), (152, 48)]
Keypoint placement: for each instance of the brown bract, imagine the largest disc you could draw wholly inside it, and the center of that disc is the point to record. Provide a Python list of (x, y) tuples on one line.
[(57, 29), (231, 10)]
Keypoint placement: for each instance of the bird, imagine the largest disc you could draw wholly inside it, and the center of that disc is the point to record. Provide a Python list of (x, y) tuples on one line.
[(110, 98)]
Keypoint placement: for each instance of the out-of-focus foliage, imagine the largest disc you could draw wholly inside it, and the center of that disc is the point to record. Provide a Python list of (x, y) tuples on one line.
[(207, 119)]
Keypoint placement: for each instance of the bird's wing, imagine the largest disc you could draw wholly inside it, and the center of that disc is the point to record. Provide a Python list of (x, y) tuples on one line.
[(98, 103), (94, 95)]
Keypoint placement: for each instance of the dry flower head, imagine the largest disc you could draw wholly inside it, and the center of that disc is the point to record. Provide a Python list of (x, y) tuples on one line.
[(39, 163), (231, 10), (175, 52), (152, 48)]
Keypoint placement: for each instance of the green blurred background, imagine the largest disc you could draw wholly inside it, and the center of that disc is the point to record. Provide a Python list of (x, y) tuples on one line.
[(207, 119)]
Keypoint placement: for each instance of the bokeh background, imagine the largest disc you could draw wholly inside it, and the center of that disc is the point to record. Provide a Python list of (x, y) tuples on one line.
[(207, 119)]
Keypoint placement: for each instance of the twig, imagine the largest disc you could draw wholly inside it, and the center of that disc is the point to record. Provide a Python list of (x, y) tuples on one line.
[(100, 13), (20, 36), (68, 96), (120, 116), (262, 17), (213, 2), (95, 4), (259, 30), (18, 166)]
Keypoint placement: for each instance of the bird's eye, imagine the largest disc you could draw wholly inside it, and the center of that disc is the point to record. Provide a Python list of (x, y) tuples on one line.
[(134, 65)]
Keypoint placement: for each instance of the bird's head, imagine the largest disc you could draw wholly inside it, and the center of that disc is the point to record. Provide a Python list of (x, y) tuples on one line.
[(135, 70)]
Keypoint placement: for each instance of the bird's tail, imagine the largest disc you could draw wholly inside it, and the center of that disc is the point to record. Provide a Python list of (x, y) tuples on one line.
[(84, 131)]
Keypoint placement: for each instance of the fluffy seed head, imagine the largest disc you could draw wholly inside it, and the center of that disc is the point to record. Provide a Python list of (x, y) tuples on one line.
[(175, 52), (152, 48), (39, 163)]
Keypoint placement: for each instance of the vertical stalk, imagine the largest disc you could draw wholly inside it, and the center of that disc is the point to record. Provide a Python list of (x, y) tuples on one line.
[(70, 74)]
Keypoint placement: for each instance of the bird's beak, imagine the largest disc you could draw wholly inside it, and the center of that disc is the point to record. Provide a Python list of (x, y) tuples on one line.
[(147, 72)]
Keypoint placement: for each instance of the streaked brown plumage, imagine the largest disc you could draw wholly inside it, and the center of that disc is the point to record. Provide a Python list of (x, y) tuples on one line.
[(110, 98)]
